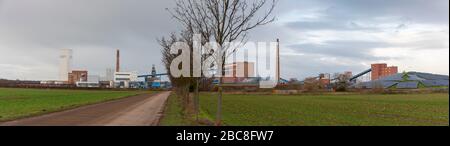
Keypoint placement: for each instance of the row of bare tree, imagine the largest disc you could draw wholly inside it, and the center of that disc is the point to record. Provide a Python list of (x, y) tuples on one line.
[(218, 21)]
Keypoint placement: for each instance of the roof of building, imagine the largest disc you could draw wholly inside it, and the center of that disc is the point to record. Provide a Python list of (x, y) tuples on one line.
[(410, 80)]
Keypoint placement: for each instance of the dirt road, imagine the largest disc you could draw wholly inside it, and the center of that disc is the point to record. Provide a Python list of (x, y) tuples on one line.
[(141, 110)]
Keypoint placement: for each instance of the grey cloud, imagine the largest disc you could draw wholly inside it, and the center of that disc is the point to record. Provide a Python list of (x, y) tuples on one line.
[(330, 25), (345, 16), (93, 29), (341, 15), (309, 66), (421, 11), (430, 40), (32, 32), (348, 49), (352, 56), (103, 22)]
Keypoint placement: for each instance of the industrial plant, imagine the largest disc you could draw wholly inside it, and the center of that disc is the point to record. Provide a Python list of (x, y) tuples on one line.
[(81, 78), (238, 76)]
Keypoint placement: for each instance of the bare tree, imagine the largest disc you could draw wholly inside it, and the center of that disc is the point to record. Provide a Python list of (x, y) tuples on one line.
[(311, 84), (223, 21), (342, 82), (181, 84)]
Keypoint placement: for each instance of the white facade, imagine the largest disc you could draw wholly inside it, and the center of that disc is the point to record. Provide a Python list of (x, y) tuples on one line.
[(125, 76), (109, 76), (88, 84), (65, 64), (123, 79)]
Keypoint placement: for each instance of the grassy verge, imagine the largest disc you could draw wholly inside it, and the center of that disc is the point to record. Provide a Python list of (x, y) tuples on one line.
[(174, 115), (20, 103)]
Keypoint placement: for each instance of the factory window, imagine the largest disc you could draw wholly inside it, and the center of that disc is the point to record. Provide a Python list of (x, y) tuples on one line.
[(122, 74), (122, 79)]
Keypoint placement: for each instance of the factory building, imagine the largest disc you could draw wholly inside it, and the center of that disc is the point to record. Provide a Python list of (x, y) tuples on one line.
[(125, 79), (93, 81), (246, 72), (153, 81), (239, 71), (109, 76), (65, 64), (77, 76), (382, 70), (325, 79), (408, 80)]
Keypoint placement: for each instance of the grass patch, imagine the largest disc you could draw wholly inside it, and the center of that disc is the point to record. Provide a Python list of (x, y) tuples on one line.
[(174, 115), (330, 110), (20, 103)]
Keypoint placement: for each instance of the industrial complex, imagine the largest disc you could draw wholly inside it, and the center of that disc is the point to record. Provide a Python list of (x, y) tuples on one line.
[(237, 74), (81, 78), (112, 79)]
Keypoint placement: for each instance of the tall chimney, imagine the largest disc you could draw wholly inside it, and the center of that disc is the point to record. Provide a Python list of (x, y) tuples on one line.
[(118, 61), (278, 60)]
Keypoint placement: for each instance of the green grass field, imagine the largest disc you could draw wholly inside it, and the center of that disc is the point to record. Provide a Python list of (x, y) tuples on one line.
[(330, 110), (19, 103)]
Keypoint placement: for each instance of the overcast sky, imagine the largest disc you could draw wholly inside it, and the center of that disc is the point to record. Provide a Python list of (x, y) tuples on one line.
[(317, 35)]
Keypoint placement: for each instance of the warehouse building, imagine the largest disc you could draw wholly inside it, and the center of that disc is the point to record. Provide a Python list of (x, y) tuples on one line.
[(410, 80)]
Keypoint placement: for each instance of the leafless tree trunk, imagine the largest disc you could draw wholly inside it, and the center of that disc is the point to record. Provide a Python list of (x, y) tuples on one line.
[(181, 85), (223, 21), (197, 99)]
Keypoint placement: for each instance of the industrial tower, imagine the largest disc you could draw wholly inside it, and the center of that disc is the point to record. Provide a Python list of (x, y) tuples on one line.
[(65, 64)]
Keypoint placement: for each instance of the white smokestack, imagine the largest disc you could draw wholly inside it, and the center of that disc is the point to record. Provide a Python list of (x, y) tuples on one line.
[(65, 64)]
